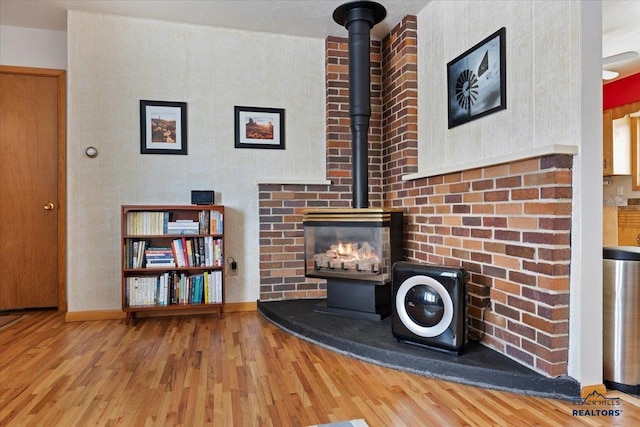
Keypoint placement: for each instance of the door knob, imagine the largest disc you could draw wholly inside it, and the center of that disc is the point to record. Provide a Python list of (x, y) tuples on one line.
[(49, 206)]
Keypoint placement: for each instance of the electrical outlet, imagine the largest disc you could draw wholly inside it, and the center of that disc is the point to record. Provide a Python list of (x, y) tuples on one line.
[(233, 267)]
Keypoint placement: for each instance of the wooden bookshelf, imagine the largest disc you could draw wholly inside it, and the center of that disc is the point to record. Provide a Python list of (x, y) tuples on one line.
[(172, 259)]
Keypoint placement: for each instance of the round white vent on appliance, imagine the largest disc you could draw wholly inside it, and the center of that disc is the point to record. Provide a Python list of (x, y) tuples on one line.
[(424, 306)]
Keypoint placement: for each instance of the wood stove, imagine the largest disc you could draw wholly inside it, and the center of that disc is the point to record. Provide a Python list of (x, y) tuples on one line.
[(354, 250)]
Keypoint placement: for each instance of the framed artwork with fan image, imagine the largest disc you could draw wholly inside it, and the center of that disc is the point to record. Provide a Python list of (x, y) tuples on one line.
[(476, 80)]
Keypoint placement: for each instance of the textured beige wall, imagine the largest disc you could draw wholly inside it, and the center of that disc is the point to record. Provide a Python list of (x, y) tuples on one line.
[(114, 62), (542, 88), (554, 99)]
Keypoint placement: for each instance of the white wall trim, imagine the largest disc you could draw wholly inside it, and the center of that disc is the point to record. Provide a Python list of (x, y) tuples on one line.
[(480, 163), (585, 326), (279, 181)]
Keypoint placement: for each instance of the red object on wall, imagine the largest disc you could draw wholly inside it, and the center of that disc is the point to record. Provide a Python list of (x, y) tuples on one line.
[(621, 92)]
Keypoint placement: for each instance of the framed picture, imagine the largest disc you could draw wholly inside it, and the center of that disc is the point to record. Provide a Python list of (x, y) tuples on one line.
[(259, 127), (163, 127), (476, 80)]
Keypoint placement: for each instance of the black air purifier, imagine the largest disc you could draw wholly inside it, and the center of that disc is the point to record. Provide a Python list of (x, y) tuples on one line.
[(430, 306)]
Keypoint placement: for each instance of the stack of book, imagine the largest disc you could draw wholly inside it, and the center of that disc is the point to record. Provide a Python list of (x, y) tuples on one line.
[(183, 226), (159, 257)]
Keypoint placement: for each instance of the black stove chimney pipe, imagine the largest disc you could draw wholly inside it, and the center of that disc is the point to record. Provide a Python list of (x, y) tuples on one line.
[(359, 17)]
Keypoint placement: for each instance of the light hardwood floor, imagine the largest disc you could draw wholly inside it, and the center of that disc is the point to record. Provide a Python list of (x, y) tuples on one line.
[(238, 371)]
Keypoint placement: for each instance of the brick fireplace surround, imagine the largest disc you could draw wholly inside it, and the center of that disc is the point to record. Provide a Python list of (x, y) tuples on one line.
[(508, 225)]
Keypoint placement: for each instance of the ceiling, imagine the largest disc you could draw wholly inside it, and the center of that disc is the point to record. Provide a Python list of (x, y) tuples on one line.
[(621, 33), (308, 18)]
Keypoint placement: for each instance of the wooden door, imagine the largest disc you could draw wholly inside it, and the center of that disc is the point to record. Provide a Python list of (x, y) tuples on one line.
[(30, 216)]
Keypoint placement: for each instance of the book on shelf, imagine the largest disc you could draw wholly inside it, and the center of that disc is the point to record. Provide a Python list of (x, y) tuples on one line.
[(204, 251), (139, 255), (178, 252), (159, 257), (203, 220), (142, 290), (185, 252), (190, 253), (149, 223), (134, 250), (211, 283), (196, 252), (216, 222), (142, 223), (183, 226), (161, 264), (173, 288)]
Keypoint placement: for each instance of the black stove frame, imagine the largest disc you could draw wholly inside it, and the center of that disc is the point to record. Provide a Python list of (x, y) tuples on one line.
[(357, 294)]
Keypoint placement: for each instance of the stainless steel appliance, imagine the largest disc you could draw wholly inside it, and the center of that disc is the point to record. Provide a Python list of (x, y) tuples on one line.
[(621, 315)]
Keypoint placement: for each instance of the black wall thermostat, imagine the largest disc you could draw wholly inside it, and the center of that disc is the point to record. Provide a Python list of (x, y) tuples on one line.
[(203, 197)]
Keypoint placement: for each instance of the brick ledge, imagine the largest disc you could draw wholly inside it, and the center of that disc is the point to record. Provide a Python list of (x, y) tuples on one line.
[(547, 150)]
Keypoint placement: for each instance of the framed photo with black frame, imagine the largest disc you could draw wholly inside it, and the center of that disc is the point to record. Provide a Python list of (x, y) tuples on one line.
[(476, 80), (163, 127), (259, 127)]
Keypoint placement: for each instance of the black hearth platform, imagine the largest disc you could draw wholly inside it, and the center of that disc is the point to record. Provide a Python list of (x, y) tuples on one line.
[(372, 341)]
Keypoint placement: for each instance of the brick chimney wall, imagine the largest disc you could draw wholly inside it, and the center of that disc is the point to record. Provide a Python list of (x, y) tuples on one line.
[(281, 205), (508, 225)]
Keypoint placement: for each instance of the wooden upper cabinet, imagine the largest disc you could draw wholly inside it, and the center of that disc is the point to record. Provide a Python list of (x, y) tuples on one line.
[(607, 141), (635, 151), (620, 140)]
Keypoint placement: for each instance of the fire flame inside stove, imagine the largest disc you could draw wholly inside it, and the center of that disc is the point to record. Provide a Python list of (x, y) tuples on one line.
[(346, 250), (349, 256)]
